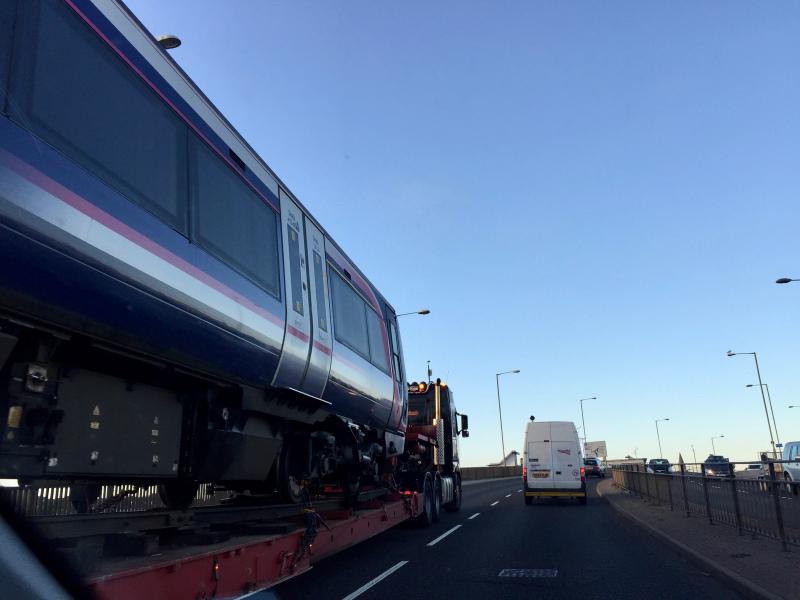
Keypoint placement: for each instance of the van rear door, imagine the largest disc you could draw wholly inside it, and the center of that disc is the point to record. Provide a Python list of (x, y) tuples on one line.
[(540, 458), (566, 456), (566, 465)]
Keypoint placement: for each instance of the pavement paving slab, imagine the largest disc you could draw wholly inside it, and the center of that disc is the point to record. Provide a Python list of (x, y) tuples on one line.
[(756, 565)]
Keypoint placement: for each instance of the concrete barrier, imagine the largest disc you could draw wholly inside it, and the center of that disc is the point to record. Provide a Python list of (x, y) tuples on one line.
[(469, 473)]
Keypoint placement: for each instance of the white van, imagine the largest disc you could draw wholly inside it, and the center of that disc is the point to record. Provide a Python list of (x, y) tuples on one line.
[(553, 465)]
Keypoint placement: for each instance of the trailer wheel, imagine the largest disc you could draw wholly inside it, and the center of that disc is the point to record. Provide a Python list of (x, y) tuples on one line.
[(455, 505), (436, 514), (425, 518)]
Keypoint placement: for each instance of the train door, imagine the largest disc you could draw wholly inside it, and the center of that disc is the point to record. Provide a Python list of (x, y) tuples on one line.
[(319, 364), (292, 366)]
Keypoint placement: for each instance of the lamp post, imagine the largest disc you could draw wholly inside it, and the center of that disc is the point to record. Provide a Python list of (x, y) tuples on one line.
[(785, 280), (500, 411), (772, 412), (658, 435), (794, 406), (583, 423), (694, 454), (763, 397), (715, 437)]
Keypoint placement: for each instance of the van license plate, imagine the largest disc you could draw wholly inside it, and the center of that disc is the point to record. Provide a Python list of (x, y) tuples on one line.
[(539, 474)]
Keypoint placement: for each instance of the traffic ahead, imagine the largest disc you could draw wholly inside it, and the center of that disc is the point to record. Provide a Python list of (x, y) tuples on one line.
[(497, 547)]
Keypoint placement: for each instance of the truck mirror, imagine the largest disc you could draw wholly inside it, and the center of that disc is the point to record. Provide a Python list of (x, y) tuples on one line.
[(464, 433), (464, 423)]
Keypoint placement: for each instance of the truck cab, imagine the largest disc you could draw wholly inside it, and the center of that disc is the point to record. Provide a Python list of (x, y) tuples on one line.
[(431, 449)]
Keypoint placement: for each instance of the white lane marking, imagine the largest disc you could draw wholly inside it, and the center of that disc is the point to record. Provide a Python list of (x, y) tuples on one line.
[(375, 581), (508, 495), (473, 516), (528, 573), (518, 491), (444, 535), (495, 502)]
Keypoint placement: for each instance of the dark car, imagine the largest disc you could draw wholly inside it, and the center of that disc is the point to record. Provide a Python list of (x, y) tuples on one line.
[(718, 466), (659, 465), (592, 467)]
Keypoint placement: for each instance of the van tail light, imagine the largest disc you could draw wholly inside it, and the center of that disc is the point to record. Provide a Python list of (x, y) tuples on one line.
[(583, 473), (524, 472)]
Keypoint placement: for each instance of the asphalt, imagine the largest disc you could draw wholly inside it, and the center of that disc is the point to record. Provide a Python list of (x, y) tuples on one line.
[(569, 550)]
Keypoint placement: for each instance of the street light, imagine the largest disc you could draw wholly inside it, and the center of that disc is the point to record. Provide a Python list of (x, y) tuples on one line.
[(794, 406), (694, 454), (658, 435), (500, 411), (423, 311), (585, 438), (716, 437), (763, 397), (785, 280), (168, 41), (772, 412)]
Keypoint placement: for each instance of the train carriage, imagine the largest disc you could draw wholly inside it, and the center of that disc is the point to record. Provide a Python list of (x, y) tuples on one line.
[(169, 311)]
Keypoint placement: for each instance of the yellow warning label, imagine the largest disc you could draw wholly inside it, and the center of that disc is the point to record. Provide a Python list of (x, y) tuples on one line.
[(14, 416)]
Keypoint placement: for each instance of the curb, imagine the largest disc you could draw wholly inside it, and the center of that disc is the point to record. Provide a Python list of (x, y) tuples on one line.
[(743, 585)]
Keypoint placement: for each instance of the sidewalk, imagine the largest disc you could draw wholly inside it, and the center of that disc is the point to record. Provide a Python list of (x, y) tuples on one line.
[(757, 567)]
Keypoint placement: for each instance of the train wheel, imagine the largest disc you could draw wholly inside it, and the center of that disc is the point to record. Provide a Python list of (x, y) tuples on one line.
[(177, 494), (83, 496), (290, 469)]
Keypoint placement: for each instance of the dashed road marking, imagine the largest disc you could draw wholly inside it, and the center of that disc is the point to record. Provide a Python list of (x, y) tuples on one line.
[(518, 491), (444, 535), (375, 581), (508, 495), (473, 516), (532, 573), (495, 502)]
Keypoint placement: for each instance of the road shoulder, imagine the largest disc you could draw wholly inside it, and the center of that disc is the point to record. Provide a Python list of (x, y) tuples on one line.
[(757, 567)]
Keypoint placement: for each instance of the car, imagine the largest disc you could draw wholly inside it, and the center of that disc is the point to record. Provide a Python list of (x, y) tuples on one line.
[(552, 465), (718, 466), (659, 465), (751, 471), (594, 467), (791, 470)]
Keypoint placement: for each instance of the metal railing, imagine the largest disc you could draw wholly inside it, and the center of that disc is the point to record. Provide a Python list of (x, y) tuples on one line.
[(762, 502), (55, 500)]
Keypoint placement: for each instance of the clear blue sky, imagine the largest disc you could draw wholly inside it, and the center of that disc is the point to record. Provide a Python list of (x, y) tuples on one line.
[(600, 196)]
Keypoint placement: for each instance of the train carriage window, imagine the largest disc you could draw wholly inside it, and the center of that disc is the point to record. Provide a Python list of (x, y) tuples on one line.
[(377, 349), (349, 315), (397, 363), (231, 221), (8, 10), (319, 285), (294, 265), (74, 92)]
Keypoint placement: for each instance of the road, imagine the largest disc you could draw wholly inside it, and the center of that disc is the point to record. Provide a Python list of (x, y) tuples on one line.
[(576, 551)]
